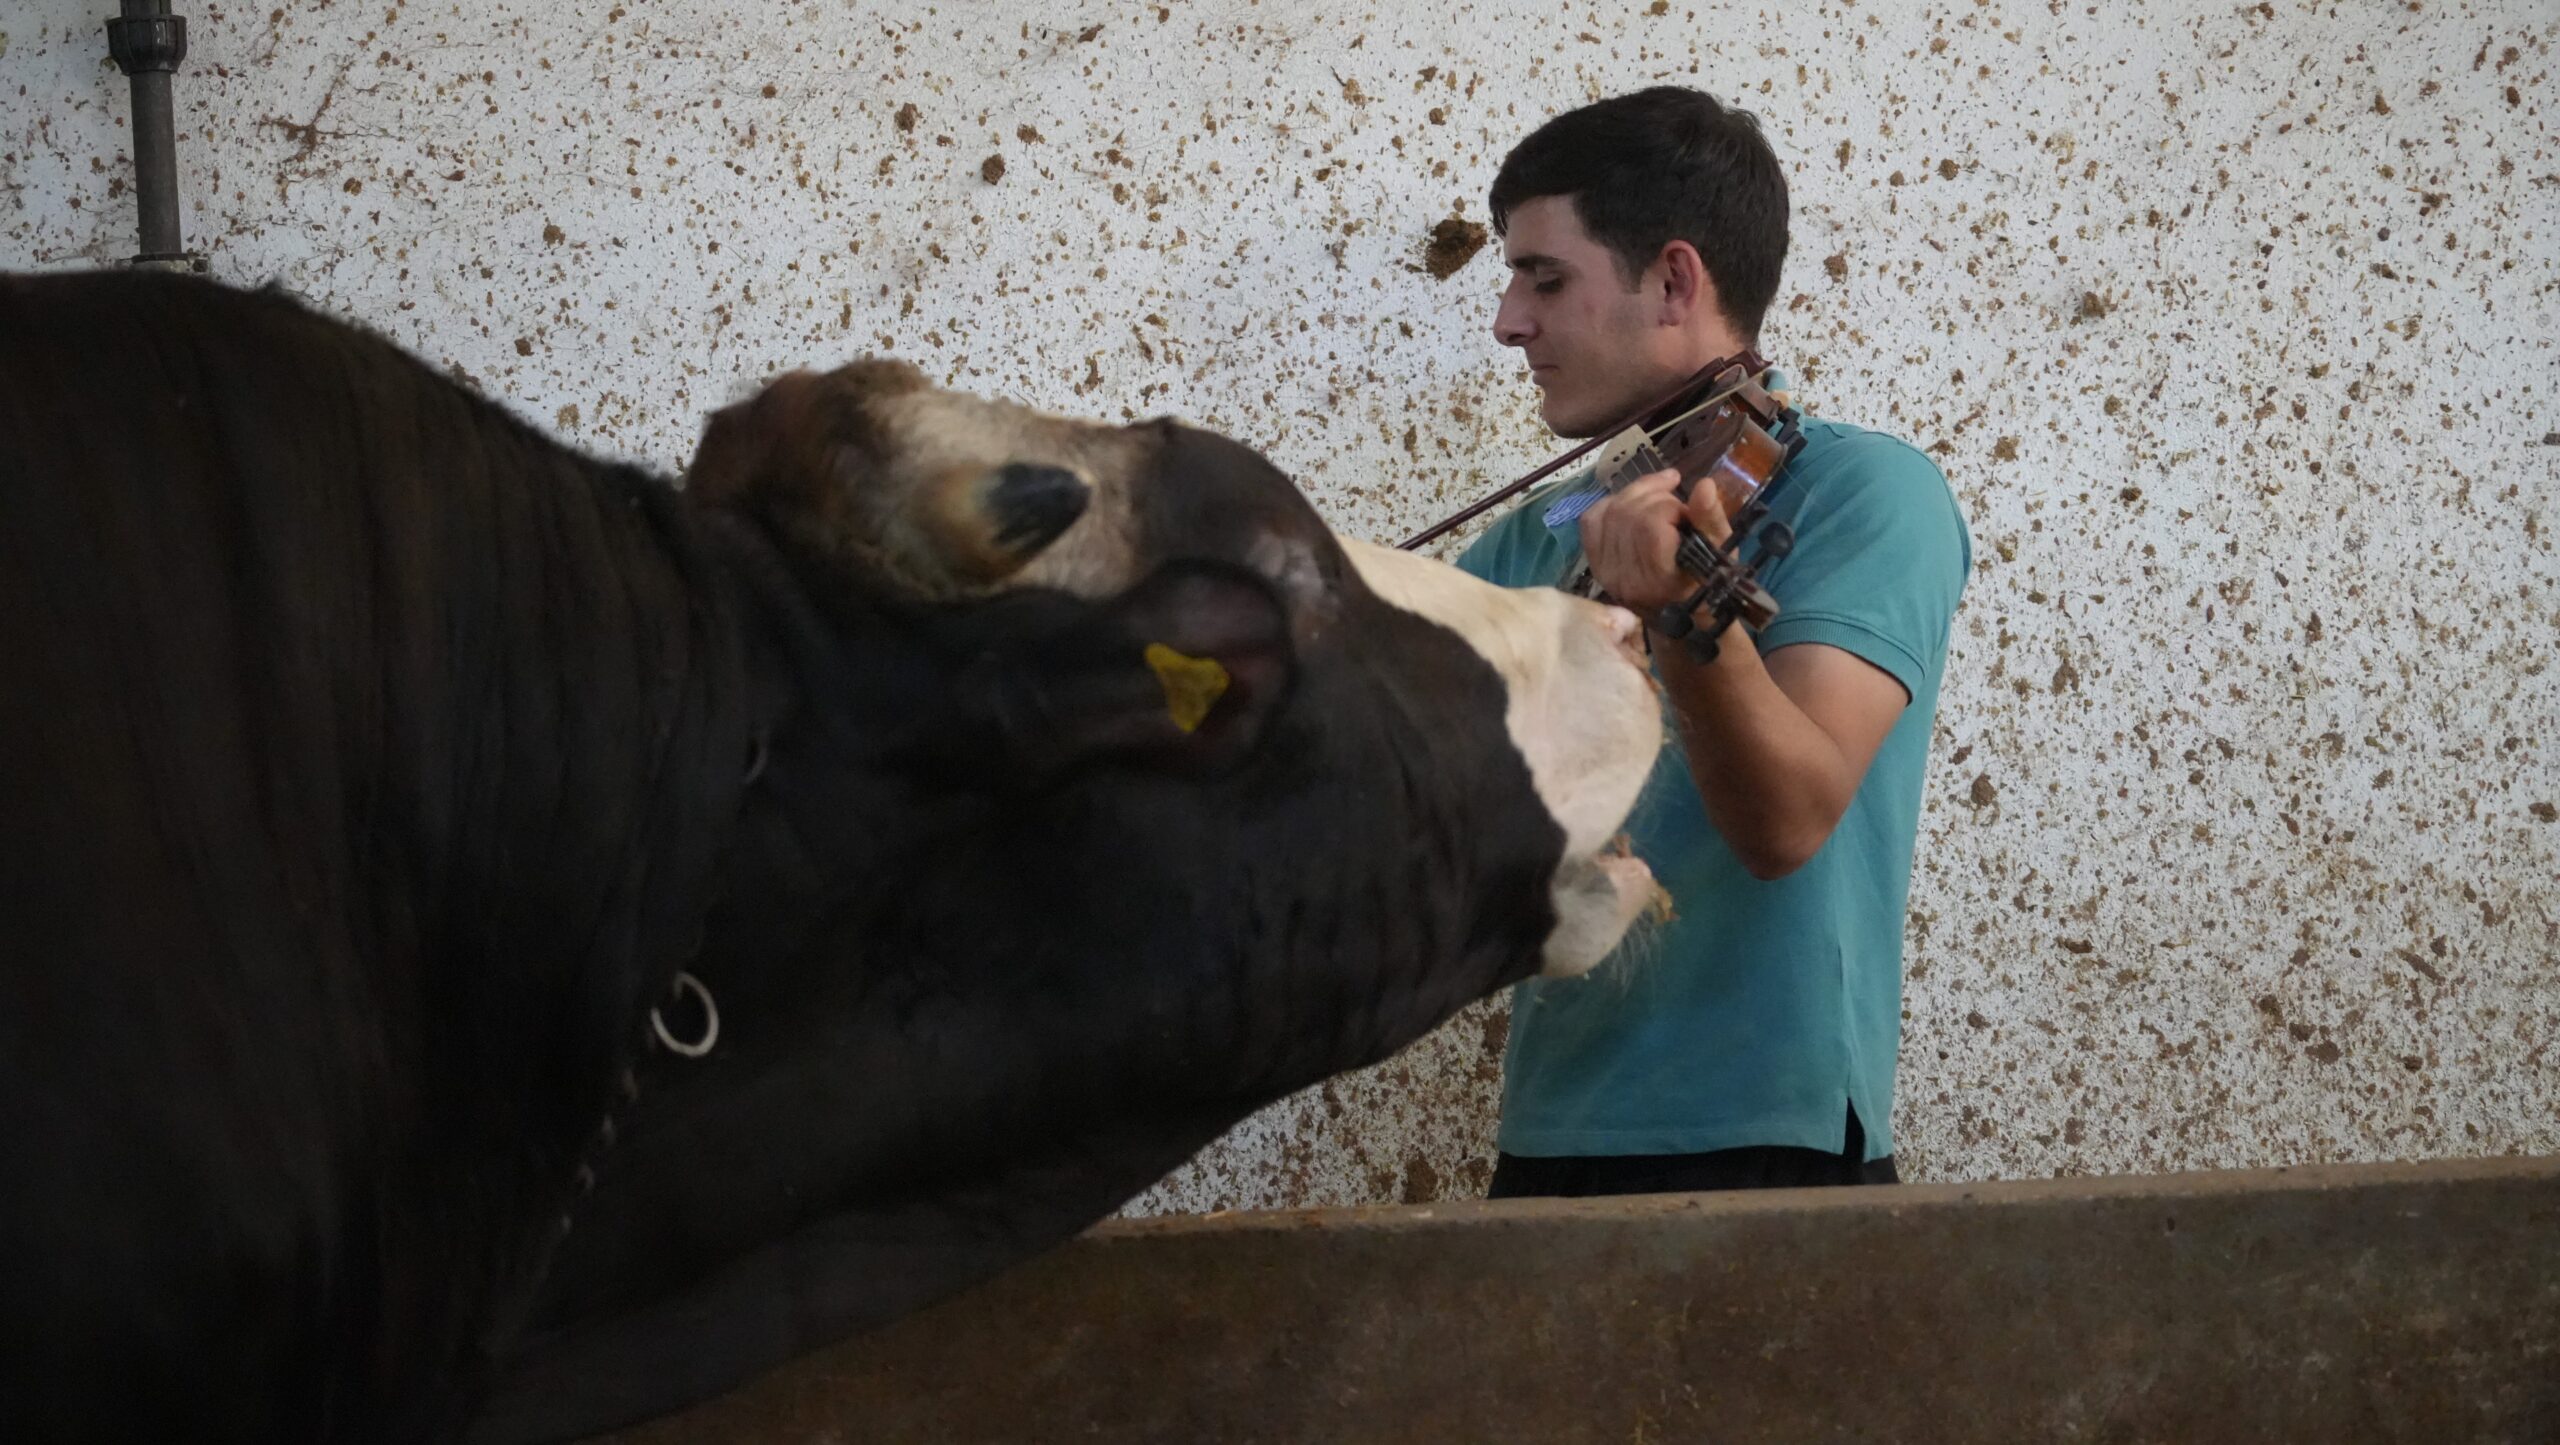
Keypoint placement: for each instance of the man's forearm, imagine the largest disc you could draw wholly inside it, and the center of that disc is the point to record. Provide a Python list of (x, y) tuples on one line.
[(1777, 750), (1773, 782)]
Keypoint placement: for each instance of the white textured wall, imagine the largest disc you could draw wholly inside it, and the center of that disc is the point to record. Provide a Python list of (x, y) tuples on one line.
[(2232, 324)]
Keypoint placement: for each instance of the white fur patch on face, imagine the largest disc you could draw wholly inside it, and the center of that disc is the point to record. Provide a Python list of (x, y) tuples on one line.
[(1582, 712)]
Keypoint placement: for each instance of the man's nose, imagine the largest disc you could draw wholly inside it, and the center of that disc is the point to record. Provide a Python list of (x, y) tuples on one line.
[(1511, 322)]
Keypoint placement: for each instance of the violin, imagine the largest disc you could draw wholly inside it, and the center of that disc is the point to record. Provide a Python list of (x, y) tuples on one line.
[(1720, 427)]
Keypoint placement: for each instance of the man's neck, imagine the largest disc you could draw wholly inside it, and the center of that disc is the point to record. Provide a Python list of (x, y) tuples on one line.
[(1690, 360), (1709, 348)]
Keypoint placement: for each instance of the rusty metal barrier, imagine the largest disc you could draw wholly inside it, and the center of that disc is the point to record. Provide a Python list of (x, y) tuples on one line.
[(2354, 1303)]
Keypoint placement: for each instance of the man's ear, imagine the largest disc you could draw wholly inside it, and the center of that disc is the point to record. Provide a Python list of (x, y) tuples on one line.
[(1182, 672), (1682, 284)]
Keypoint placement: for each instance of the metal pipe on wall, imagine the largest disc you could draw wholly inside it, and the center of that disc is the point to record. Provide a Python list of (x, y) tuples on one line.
[(148, 43)]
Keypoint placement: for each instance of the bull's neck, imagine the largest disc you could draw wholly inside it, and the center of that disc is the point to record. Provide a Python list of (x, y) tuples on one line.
[(559, 838), (594, 758)]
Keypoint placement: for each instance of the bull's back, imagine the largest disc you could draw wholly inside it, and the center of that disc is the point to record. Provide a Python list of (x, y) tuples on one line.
[(177, 1081)]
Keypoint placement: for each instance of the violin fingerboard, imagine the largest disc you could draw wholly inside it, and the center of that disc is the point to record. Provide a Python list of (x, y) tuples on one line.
[(1643, 462)]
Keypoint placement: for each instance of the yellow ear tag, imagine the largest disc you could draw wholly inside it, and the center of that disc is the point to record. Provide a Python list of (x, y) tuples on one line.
[(1192, 685)]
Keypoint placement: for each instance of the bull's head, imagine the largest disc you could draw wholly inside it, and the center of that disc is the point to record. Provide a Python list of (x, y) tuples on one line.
[(946, 498), (1111, 796)]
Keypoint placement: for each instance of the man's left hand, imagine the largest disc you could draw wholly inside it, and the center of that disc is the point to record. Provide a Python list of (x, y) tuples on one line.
[(1632, 538)]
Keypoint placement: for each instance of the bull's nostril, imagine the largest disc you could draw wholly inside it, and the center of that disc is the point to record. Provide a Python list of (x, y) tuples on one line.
[(1031, 504)]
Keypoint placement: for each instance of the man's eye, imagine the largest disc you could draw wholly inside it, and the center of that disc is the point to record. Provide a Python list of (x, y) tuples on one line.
[(1550, 287)]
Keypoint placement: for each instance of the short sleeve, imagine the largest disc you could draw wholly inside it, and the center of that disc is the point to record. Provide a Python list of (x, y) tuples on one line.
[(1880, 560)]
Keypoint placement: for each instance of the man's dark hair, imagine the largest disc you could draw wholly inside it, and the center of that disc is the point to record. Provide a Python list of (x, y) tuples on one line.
[(1663, 164)]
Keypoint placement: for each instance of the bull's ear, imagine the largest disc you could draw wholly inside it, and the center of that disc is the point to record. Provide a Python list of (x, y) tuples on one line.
[(1183, 671)]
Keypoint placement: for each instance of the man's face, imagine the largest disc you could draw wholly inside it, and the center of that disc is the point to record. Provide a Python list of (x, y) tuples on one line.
[(1594, 346)]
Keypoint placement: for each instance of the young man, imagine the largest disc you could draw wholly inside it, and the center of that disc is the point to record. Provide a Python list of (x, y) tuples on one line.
[(1751, 1042)]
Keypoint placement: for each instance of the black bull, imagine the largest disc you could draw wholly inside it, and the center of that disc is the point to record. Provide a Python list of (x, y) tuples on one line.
[(373, 767)]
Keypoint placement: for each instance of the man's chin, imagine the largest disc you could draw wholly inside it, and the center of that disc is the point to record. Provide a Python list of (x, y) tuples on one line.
[(1568, 422)]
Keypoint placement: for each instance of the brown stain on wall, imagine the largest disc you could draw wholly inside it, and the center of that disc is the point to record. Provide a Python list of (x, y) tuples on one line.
[(1454, 242)]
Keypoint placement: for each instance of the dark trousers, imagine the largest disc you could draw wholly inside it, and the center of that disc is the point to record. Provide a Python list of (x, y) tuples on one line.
[(1773, 1166)]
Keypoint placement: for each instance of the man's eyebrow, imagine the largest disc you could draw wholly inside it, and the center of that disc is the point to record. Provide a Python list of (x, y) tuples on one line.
[(1535, 262)]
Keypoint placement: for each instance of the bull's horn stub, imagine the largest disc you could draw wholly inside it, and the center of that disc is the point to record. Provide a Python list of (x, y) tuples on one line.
[(1192, 685)]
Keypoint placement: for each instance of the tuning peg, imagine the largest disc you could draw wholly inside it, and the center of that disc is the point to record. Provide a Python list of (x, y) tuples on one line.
[(1678, 619), (1777, 539)]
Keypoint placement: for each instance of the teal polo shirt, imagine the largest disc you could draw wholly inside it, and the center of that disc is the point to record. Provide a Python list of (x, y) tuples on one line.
[(1764, 1011)]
